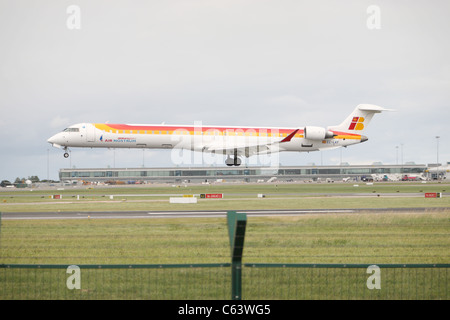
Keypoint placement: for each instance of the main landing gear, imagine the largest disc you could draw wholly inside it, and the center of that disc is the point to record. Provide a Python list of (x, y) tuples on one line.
[(235, 161)]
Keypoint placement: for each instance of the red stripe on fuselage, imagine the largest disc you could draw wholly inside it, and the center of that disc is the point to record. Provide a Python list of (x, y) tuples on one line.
[(199, 128)]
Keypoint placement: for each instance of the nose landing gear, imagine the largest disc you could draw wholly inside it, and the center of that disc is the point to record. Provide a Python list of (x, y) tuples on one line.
[(66, 154)]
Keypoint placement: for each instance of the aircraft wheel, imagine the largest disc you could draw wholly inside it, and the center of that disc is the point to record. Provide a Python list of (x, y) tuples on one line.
[(66, 155), (229, 162)]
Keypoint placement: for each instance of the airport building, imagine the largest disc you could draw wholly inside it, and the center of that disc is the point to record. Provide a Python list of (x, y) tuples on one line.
[(375, 172)]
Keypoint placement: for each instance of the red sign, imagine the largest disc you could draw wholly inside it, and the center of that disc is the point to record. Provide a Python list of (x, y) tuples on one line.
[(212, 195), (431, 195)]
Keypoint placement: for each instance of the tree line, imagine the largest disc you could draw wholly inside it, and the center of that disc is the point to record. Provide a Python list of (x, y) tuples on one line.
[(19, 181)]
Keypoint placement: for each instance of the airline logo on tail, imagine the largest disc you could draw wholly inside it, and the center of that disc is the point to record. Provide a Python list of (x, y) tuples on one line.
[(357, 123)]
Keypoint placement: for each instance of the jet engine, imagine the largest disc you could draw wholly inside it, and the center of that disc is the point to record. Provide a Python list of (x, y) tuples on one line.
[(317, 133)]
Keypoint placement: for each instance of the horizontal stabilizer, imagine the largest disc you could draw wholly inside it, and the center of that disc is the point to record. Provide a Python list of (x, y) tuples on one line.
[(372, 108), (358, 120)]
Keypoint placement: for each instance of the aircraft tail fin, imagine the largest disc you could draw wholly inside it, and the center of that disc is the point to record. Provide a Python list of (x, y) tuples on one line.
[(358, 120)]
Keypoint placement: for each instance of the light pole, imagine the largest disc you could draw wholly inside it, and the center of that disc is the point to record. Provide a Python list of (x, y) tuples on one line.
[(401, 151), (143, 158), (396, 149), (437, 157), (48, 164)]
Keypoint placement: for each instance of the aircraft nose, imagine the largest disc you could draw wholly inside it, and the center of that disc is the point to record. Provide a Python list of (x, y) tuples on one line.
[(54, 140)]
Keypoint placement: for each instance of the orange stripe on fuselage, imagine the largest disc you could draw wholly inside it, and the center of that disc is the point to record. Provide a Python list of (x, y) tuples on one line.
[(163, 129), (346, 135), (241, 131)]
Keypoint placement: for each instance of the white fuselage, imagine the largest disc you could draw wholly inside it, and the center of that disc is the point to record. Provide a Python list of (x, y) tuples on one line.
[(206, 139), (234, 142)]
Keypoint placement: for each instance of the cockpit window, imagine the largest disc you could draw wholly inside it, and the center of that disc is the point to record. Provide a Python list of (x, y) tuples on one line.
[(71, 130)]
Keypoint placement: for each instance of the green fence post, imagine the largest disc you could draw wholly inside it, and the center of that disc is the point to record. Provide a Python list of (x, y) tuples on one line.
[(236, 231)]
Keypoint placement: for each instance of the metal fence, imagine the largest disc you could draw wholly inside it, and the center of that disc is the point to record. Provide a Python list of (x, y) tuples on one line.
[(151, 282), (214, 281), (346, 281)]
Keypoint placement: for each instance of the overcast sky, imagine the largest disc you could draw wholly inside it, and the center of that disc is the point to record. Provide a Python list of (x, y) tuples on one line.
[(222, 62)]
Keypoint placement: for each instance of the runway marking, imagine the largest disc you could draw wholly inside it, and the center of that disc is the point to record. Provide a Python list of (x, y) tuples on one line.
[(160, 214), (202, 214)]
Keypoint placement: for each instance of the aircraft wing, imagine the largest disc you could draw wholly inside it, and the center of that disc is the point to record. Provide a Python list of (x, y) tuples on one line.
[(245, 147)]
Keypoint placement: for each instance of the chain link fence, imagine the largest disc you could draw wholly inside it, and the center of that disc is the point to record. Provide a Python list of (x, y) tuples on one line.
[(213, 281)]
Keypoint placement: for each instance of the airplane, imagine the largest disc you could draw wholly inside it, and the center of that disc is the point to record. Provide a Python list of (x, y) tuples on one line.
[(234, 142)]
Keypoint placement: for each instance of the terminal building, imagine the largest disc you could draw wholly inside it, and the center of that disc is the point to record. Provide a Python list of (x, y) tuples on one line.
[(374, 172)]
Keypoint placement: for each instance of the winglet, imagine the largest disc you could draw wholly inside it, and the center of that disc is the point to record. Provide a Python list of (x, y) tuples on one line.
[(289, 137)]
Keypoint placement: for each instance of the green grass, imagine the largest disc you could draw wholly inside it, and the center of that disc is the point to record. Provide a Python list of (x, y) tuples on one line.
[(234, 204), (352, 238), (401, 238), (235, 188), (314, 238), (236, 197), (363, 238)]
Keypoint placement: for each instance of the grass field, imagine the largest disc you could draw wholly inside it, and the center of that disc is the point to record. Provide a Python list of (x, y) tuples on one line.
[(331, 238), (236, 197), (314, 238), (361, 238)]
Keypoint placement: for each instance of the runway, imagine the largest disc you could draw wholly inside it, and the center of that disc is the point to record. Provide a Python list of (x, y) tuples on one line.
[(197, 214)]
